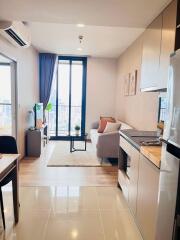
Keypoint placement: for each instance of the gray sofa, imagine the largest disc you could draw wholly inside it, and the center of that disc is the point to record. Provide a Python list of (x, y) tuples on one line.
[(106, 144)]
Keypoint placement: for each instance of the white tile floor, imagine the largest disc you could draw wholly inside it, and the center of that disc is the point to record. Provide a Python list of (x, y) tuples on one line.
[(66, 213)]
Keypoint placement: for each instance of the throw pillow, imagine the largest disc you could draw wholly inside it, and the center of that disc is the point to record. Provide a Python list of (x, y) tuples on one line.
[(102, 125), (112, 127)]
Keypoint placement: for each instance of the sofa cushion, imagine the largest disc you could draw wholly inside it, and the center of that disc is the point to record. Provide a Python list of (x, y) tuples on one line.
[(103, 123), (112, 127)]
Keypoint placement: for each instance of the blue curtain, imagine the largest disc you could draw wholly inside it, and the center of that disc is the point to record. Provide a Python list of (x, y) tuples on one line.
[(47, 62)]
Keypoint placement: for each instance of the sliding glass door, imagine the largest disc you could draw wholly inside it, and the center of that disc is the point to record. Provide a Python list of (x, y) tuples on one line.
[(68, 97)]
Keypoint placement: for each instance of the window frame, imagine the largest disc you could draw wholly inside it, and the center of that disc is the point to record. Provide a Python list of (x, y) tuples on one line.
[(83, 104)]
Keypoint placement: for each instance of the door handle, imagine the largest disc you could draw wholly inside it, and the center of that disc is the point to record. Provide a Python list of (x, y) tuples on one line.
[(163, 140)]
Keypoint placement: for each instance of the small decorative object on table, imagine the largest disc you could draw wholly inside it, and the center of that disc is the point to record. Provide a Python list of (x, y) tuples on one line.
[(30, 119), (77, 130)]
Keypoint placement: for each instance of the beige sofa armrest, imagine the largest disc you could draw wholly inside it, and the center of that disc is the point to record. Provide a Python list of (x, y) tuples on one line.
[(108, 145), (108, 134)]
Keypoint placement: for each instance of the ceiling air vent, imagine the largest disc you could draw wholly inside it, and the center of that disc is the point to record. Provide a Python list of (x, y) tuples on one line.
[(16, 32)]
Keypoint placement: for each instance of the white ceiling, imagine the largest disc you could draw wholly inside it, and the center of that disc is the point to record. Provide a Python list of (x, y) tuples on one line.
[(131, 13), (111, 25), (97, 42)]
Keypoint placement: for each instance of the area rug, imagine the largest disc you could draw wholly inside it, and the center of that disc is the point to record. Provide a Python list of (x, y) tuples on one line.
[(61, 156)]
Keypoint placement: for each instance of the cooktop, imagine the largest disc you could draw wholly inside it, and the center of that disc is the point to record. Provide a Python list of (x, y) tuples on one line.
[(141, 138)]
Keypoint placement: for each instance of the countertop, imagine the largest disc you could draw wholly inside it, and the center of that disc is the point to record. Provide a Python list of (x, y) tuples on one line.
[(153, 153), (135, 138)]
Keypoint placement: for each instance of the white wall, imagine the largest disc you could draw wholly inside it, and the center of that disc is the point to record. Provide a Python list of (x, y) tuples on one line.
[(27, 83), (140, 111), (101, 85)]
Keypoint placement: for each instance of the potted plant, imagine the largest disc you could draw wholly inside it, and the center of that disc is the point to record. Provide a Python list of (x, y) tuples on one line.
[(48, 109), (77, 129)]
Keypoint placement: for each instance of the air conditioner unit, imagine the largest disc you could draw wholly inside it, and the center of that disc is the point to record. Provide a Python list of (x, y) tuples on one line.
[(16, 32)]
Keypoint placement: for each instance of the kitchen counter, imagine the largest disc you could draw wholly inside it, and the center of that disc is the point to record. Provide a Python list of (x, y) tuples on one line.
[(153, 153), (136, 138), (138, 176)]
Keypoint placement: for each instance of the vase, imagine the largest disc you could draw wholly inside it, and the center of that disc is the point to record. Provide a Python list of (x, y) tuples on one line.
[(77, 132)]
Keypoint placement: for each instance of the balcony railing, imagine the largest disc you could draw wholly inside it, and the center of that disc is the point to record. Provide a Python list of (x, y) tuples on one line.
[(5, 119), (63, 119)]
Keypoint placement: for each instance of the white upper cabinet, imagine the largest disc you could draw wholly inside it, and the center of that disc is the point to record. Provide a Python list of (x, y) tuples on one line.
[(158, 44), (151, 55), (167, 43)]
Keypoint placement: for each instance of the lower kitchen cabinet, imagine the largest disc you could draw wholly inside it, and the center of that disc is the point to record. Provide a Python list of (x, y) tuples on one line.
[(133, 179), (147, 198), (128, 177), (138, 178)]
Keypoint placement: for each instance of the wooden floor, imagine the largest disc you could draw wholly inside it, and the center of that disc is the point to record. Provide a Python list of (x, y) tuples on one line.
[(34, 172)]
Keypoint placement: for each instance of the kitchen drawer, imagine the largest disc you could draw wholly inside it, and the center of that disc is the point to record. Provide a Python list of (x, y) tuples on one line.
[(123, 182), (133, 180), (134, 158), (127, 147)]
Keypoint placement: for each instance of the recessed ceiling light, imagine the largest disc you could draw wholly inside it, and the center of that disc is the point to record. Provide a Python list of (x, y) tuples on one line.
[(79, 49), (80, 25)]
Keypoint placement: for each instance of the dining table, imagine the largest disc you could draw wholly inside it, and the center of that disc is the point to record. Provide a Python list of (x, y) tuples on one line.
[(9, 169)]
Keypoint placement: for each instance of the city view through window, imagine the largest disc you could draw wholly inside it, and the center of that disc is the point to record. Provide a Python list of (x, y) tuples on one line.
[(66, 98)]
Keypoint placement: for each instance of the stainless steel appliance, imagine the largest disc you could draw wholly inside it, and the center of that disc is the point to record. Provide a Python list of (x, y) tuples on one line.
[(168, 220)]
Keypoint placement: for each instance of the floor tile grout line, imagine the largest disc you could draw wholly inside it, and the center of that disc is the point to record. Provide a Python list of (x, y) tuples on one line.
[(47, 222), (45, 226), (102, 226), (100, 216), (99, 212)]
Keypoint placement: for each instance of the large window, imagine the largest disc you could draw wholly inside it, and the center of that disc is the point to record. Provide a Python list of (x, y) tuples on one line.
[(5, 99), (8, 114), (68, 97)]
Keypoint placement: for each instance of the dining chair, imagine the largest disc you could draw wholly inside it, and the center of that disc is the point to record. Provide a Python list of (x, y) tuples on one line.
[(7, 146)]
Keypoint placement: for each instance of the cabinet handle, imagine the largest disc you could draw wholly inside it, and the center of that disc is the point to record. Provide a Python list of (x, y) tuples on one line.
[(176, 227), (174, 231), (163, 140)]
